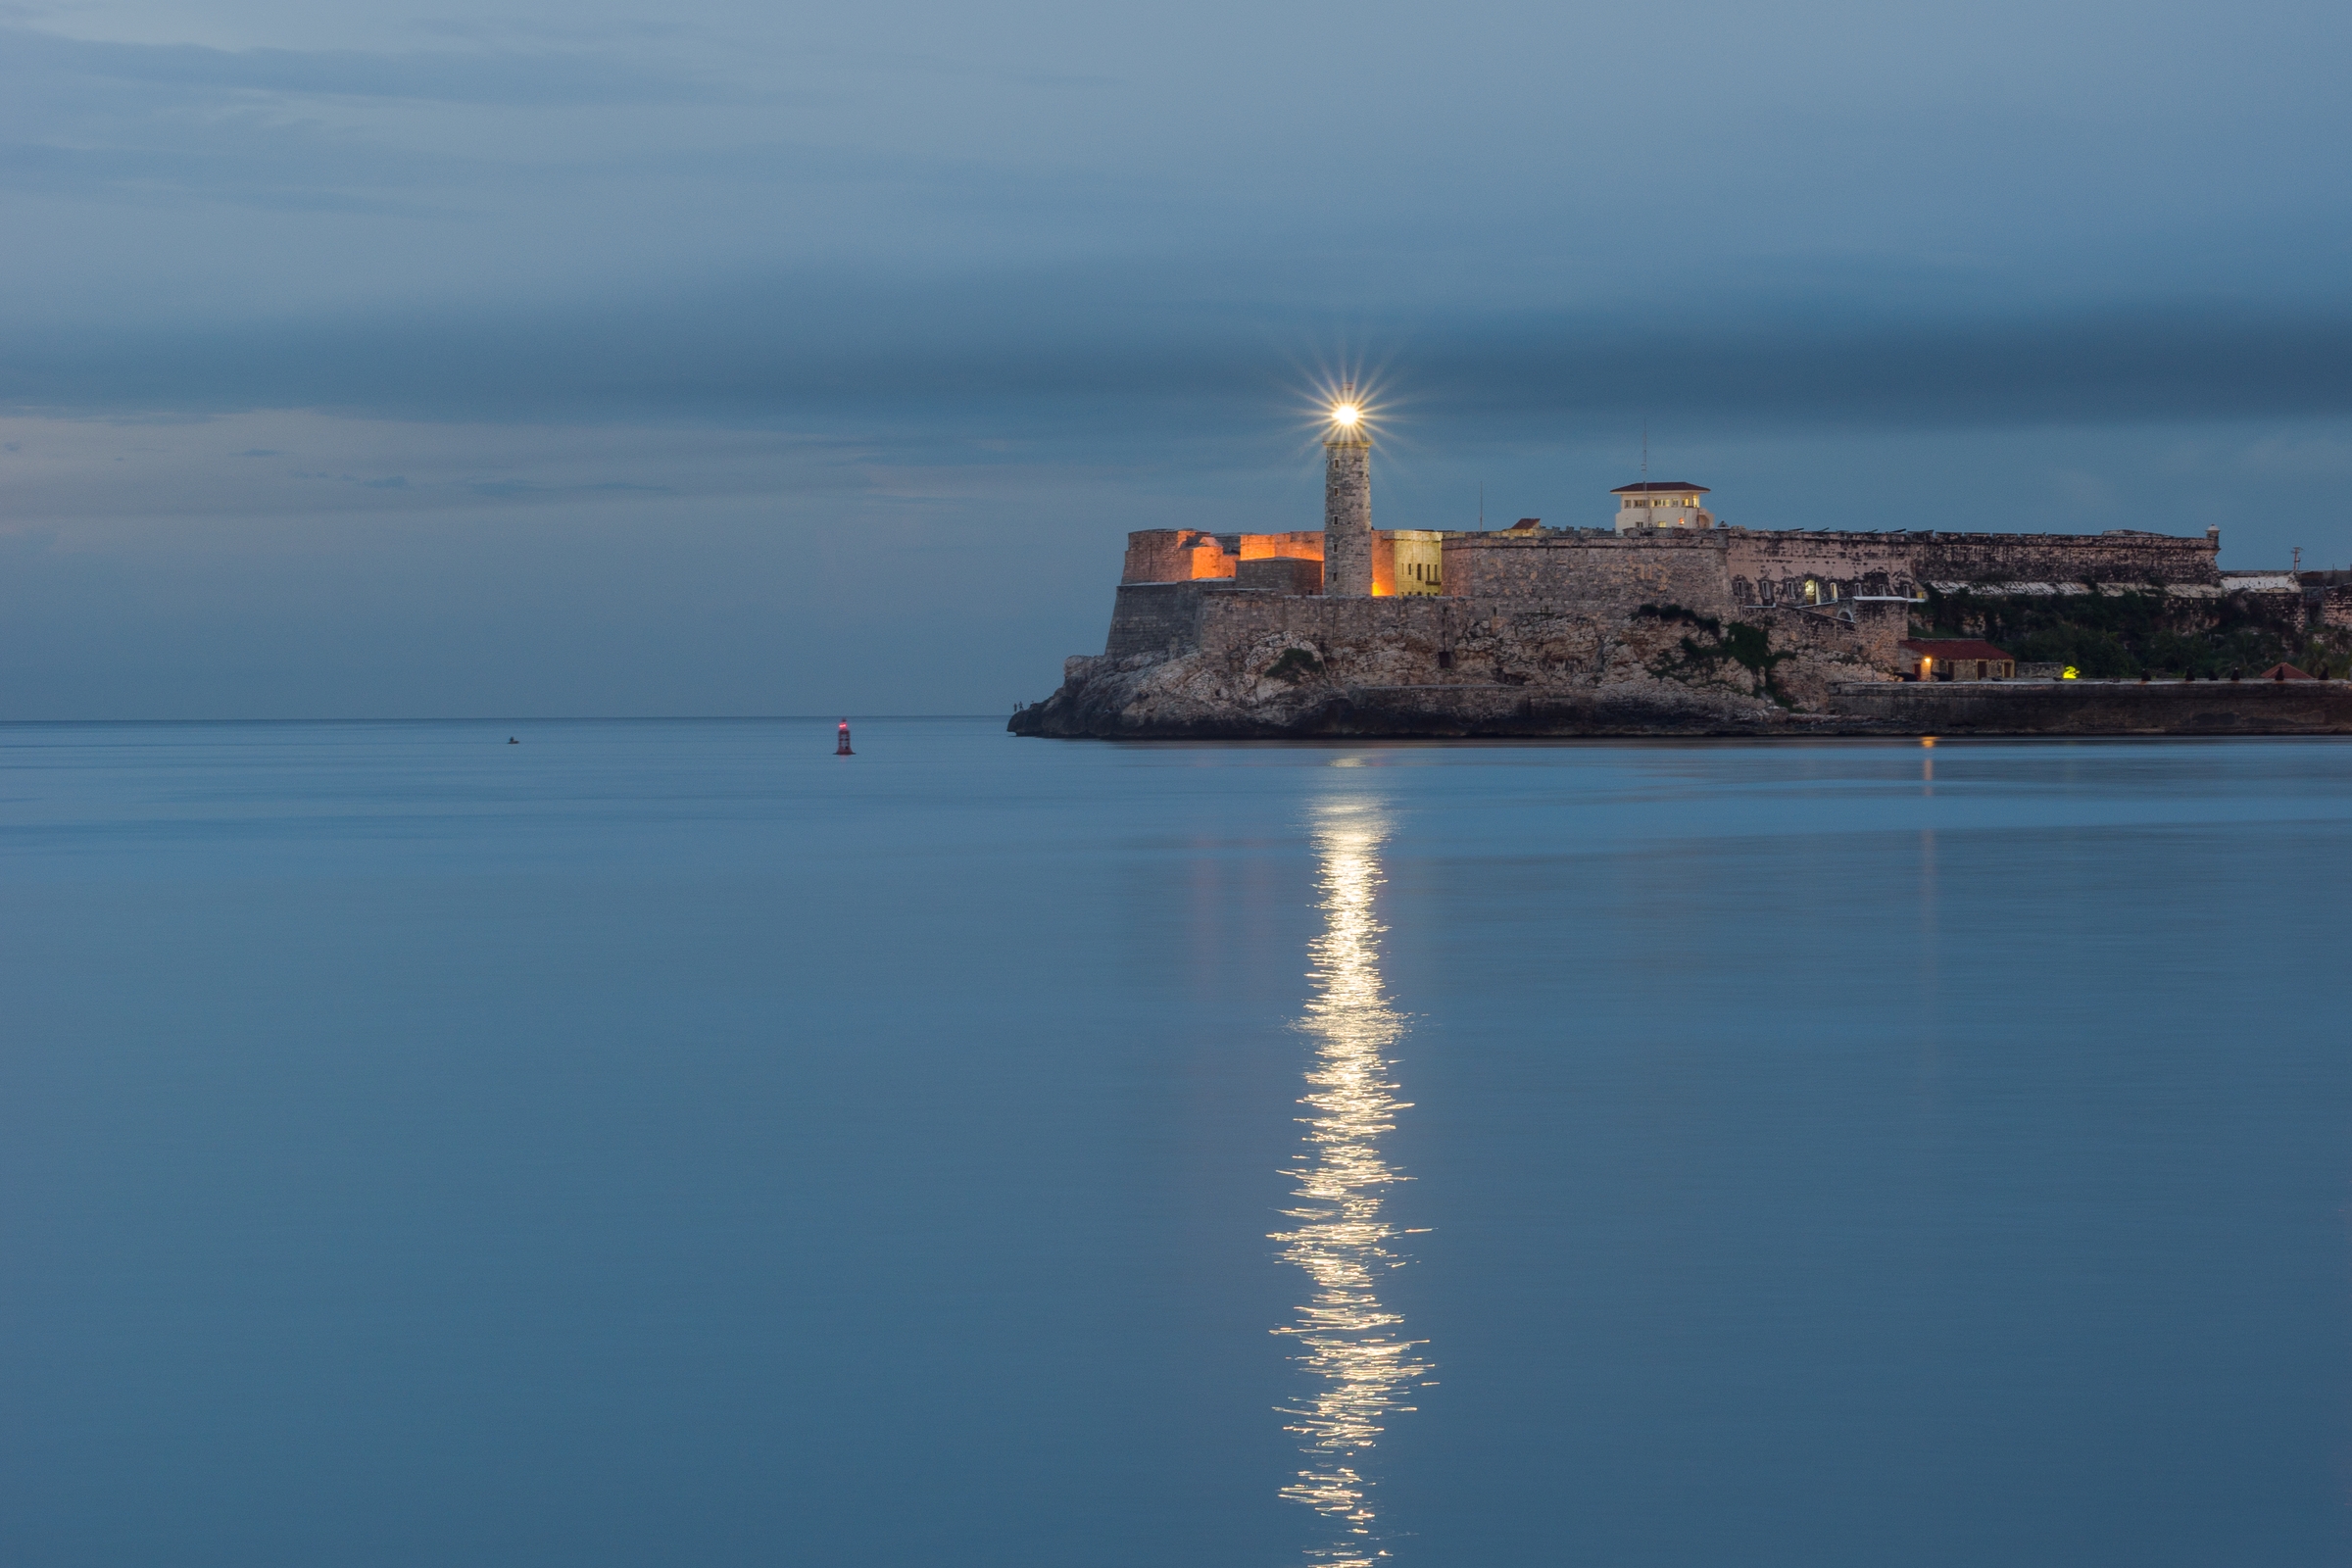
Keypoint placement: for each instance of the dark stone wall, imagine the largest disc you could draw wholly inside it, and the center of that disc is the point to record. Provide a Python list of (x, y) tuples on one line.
[(1174, 555), (1280, 575), (2112, 558), (1154, 618), (1772, 567), (2102, 708), (1594, 574)]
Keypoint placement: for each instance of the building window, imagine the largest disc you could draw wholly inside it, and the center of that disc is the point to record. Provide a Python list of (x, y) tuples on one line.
[(1812, 592)]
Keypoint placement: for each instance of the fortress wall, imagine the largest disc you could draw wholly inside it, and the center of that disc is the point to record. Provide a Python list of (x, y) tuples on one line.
[(1211, 558), (1516, 639), (1280, 575), (1228, 617), (2102, 708), (1608, 568), (2116, 557), (1417, 560), (1306, 545), (1154, 617), (1772, 565), (1174, 555), (1875, 563), (1160, 554), (1164, 617), (1594, 574)]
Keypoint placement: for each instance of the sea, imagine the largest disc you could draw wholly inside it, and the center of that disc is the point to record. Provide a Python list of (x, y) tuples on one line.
[(603, 1145)]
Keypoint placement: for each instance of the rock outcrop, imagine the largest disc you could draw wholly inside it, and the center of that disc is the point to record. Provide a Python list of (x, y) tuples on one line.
[(1195, 661)]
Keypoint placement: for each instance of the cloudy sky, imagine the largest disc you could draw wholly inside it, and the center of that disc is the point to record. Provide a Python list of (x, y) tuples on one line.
[(599, 358)]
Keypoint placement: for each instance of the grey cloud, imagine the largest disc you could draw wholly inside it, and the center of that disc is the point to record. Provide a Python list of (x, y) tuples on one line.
[(527, 489), (185, 173), (1015, 352), (489, 77)]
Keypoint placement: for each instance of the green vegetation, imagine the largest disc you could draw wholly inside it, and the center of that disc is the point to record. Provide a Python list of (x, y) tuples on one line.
[(1707, 623), (2120, 636), (1749, 647), (1294, 665)]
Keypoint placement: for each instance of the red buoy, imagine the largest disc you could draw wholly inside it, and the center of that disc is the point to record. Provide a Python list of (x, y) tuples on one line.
[(842, 750)]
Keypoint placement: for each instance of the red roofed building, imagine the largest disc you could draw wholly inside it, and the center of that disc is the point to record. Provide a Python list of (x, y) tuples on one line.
[(1955, 658)]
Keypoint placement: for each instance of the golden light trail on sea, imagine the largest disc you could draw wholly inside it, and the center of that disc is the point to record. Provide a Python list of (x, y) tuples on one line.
[(1349, 1343)]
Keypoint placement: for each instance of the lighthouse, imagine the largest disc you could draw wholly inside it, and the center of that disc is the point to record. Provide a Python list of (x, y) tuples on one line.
[(1348, 501)]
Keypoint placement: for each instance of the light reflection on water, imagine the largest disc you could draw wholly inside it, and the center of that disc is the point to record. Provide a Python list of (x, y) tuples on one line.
[(1360, 1365)]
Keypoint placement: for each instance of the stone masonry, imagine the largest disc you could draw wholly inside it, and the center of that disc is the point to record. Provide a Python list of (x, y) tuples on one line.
[(1347, 516), (1535, 630)]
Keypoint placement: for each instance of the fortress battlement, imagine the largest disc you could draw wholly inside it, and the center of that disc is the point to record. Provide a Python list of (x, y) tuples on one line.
[(1665, 621), (1717, 569)]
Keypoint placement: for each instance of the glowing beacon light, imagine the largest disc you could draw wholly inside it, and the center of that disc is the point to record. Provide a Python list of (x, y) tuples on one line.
[(1345, 414), (842, 750)]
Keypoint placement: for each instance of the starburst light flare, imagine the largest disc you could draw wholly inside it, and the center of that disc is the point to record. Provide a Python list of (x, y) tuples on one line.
[(1346, 405)]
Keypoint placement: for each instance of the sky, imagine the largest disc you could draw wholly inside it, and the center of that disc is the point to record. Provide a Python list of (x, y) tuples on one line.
[(399, 360)]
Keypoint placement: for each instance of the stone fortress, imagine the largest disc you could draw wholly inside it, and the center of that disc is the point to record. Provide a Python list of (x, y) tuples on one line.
[(1665, 620)]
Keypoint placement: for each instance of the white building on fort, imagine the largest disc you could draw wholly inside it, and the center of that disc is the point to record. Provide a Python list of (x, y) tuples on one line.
[(1661, 506)]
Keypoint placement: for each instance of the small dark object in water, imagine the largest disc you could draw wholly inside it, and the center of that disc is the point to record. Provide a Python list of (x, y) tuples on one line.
[(842, 750), (511, 741)]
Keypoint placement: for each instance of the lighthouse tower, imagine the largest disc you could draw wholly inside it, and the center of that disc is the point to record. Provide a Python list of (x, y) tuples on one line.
[(1348, 502)]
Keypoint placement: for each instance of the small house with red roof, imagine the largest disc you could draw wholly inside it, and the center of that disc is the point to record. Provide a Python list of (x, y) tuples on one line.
[(1955, 658)]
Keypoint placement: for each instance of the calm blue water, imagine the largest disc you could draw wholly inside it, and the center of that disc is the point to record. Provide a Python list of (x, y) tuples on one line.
[(670, 1144)]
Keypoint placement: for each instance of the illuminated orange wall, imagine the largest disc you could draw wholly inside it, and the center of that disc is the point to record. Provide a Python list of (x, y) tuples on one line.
[(1305, 546), (1174, 555), (1209, 560)]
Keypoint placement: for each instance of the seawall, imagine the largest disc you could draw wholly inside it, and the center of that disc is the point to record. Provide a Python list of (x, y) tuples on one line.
[(2096, 707)]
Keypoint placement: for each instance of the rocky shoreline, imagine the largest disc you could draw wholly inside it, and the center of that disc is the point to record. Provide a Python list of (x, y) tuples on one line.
[(1656, 675), (2009, 708), (1196, 664)]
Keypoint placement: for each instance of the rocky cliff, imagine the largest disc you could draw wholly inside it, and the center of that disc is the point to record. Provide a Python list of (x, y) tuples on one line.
[(1189, 661), (1196, 660)]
